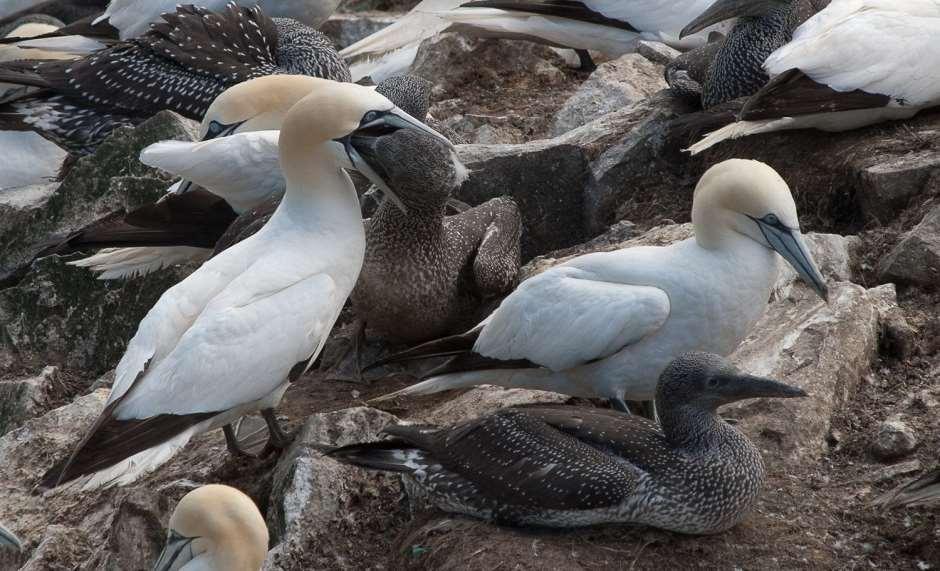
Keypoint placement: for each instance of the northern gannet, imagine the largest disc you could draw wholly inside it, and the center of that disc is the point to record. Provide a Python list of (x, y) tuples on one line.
[(181, 64), (565, 466), (8, 540), (228, 339), (215, 527), (853, 64), (236, 161), (606, 324)]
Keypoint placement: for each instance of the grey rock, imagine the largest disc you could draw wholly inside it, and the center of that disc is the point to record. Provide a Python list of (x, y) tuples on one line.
[(59, 544), (612, 86), (483, 400), (893, 439), (22, 399), (657, 52), (890, 183), (898, 338), (347, 29), (916, 258), (886, 473)]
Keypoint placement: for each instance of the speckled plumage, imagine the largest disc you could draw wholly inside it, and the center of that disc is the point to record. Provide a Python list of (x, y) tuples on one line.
[(182, 64), (567, 466), (426, 274)]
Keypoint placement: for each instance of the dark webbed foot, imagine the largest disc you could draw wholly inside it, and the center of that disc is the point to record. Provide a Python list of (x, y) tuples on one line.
[(587, 62), (496, 265), (348, 366)]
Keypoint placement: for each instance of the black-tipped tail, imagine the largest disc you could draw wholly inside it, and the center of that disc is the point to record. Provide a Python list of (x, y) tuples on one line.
[(568, 9), (443, 347), (386, 456)]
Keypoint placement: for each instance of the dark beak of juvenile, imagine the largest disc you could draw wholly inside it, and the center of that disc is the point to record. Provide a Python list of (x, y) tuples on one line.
[(726, 9), (751, 387)]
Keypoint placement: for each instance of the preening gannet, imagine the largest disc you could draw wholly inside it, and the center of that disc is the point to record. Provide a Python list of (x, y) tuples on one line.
[(215, 527), (606, 324), (228, 339)]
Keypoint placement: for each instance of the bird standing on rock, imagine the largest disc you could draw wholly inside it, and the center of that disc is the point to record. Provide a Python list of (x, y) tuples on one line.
[(606, 324), (569, 467), (228, 340), (181, 64), (213, 528)]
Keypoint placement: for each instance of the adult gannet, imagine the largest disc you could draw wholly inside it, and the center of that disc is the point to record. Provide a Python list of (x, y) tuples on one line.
[(182, 64), (215, 527), (236, 161), (855, 63), (228, 339), (564, 466), (606, 324), (8, 540)]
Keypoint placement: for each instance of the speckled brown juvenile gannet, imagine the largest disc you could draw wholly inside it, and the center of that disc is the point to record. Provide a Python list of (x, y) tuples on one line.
[(570, 466)]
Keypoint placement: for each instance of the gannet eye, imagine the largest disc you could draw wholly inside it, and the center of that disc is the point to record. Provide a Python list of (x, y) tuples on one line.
[(772, 220), (215, 129), (370, 117), (712, 382)]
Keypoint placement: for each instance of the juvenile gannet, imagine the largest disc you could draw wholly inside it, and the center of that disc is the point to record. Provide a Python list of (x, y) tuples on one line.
[(236, 161), (8, 540), (228, 339), (183, 63), (606, 324), (565, 466), (215, 527), (855, 63)]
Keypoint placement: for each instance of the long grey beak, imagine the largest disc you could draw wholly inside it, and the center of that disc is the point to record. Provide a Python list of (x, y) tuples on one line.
[(8, 540), (751, 387), (354, 150), (726, 9), (176, 553), (790, 244)]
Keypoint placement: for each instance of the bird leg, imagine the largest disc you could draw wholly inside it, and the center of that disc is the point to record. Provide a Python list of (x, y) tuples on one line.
[(357, 342), (277, 438), (231, 442), (587, 62)]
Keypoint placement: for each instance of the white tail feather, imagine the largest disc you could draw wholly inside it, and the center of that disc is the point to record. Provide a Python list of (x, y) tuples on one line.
[(738, 130), (535, 379), (127, 263)]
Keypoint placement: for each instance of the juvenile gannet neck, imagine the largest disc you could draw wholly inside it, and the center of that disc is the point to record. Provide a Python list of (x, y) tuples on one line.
[(606, 324), (571, 466), (215, 527)]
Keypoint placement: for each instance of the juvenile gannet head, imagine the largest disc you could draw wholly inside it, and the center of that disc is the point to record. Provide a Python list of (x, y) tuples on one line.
[(218, 526), (707, 381), (727, 9), (9, 541), (346, 117), (749, 197)]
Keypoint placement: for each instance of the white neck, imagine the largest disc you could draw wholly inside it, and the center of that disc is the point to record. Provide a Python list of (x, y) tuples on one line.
[(319, 194)]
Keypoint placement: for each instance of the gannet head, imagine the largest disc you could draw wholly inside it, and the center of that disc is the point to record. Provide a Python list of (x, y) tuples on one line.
[(749, 198), (346, 117), (9, 541), (219, 524), (707, 381), (726, 9)]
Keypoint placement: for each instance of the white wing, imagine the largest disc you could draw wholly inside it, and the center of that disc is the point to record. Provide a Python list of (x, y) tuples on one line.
[(568, 316), (877, 46), (133, 17), (651, 15), (242, 168)]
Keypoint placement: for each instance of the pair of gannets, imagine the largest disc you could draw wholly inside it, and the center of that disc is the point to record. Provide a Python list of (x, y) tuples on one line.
[(183, 63), (228, 339), (607, 324), (855, 63), (566, 466), (215, 528)]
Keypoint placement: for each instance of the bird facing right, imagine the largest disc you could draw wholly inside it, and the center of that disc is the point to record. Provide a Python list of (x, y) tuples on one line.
[(570, 467)]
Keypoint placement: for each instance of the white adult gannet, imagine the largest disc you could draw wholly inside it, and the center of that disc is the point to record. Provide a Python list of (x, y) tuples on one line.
[(610, 26), (215, 527), (606, 324), (853, 64), (228, 339), (8, 540)]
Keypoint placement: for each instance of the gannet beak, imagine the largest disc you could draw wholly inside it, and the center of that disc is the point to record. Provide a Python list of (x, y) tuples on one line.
[(789, 243), (9, 541), (740, 387), (177, 551), (726, 9), (357, 150)]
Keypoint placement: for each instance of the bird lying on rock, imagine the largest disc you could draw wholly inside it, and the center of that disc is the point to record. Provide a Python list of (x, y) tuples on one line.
[(181, 64), (567, 467), (8, 540), (215, 527), (228, 339), (606, 324), (853, 64)]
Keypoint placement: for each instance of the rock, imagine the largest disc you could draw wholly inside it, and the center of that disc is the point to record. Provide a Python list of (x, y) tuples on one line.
[(916, 258), (890, 183), (59, 545), (657, 52), (898, 338), (347, 29), (613, 85), (88, 192), (64, 315), (484, 400), (893, 439), (21, 399), (885, 473), (310, 493)]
